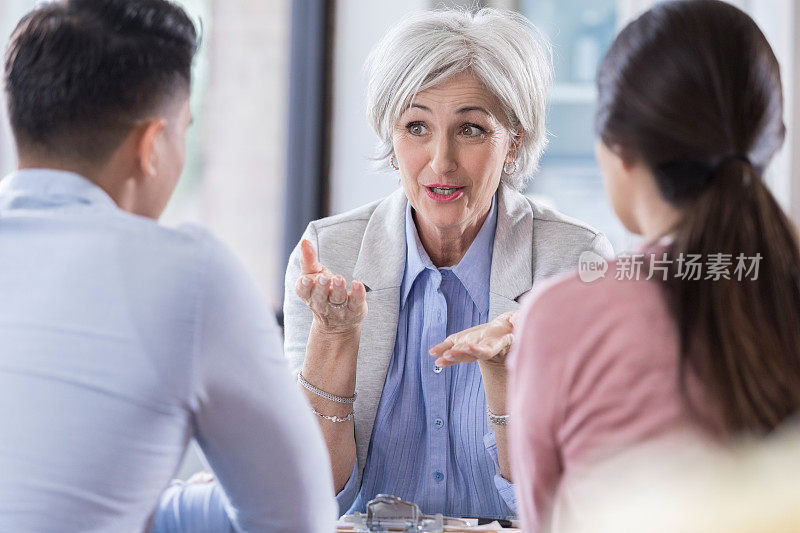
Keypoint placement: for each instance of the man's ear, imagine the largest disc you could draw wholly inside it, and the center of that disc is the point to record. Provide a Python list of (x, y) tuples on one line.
[(148, 134)]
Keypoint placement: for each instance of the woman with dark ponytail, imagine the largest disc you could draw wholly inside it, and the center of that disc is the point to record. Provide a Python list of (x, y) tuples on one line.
[(703, 333)]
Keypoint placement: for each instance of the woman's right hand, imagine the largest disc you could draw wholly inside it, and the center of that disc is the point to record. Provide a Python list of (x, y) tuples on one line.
[(332, 354), (335, 309)]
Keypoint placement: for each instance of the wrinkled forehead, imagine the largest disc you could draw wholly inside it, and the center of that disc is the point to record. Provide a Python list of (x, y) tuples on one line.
[(458, 94)]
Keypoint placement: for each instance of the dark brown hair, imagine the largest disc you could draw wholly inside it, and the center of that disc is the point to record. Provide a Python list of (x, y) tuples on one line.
[(692, 89), (79, 74)]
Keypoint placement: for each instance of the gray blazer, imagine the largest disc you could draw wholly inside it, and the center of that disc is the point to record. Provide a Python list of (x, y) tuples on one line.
[(531, 243)]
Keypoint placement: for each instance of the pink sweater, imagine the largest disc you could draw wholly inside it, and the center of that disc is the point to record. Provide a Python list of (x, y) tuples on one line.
[(594, 369)]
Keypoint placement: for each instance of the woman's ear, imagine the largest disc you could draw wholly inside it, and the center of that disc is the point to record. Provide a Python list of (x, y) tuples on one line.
[(627, 158), (147, 146), (516, 140)]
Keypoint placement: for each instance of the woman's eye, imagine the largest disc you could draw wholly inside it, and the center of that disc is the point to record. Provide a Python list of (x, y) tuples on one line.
[(415, 128), (471, 130)]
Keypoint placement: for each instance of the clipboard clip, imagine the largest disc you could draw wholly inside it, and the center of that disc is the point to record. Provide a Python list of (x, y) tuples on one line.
[(388, 513)]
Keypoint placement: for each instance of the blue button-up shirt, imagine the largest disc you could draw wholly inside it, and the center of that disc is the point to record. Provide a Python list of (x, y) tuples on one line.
[(121, 340), (430, 443)]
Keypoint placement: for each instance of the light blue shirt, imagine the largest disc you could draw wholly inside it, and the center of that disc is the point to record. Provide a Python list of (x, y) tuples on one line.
[(120, 341), (430, 443)]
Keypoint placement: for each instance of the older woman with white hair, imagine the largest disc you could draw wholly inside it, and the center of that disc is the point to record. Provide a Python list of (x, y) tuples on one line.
[(458, 101)]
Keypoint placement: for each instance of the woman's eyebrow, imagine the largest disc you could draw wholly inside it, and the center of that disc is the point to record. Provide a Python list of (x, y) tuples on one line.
[(467, 109), (461, 110)]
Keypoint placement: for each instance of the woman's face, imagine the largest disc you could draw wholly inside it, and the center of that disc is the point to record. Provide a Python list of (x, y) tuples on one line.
[(451, 147)]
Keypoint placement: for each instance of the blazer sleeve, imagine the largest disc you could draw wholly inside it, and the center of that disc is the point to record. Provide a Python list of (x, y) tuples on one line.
[(297, 316), (602, 246)]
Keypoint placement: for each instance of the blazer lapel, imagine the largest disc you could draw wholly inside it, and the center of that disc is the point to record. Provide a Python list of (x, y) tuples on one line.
[(382, 257), (512, 261), (380, 266)]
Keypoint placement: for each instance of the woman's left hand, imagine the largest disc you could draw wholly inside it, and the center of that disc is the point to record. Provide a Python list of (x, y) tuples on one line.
[(488, 342)]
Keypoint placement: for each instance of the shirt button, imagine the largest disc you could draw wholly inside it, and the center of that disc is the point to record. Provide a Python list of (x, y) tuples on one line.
[(438, 423), (438, 476), (439, 315), (437, 369)]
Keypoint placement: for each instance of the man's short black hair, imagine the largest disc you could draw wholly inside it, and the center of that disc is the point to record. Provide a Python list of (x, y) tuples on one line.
[(79, 74)]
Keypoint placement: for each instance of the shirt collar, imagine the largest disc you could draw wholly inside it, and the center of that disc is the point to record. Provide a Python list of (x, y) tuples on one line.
[(55, 183), (474, 269)]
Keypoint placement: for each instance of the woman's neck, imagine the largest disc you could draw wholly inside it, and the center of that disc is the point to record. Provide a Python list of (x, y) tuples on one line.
[(655, 217), (447, 246)]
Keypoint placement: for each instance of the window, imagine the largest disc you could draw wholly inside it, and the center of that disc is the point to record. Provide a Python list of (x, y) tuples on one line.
[(569, 179)]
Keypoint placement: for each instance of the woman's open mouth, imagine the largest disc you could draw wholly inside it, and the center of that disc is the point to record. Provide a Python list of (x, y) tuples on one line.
[(442, 193)]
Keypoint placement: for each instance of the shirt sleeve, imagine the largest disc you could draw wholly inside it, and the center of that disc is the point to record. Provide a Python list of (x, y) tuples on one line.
[(252, 423), (195, 508), (504, 486)]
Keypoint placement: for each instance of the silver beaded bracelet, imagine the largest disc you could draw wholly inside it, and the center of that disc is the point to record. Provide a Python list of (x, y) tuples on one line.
[(497, 420), (334, 418), (322, 394)]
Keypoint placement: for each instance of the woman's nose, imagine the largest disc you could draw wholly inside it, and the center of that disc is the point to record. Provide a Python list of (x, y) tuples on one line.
[(442, 156)]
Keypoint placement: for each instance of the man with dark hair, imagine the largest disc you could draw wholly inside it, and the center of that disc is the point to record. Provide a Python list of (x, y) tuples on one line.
[(120, 339)]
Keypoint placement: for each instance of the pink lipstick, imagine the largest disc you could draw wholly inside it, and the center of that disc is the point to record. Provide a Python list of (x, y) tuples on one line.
[(443, 193)]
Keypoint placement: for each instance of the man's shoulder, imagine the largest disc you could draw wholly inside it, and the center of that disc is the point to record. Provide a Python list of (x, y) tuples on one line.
[(200, 241), (190, 233), (184, 246), (179, 239)]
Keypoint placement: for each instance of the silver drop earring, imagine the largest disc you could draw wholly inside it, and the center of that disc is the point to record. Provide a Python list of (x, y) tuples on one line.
[(510, 167)]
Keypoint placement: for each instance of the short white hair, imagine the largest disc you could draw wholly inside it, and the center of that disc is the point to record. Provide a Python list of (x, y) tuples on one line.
[(501, 48)]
